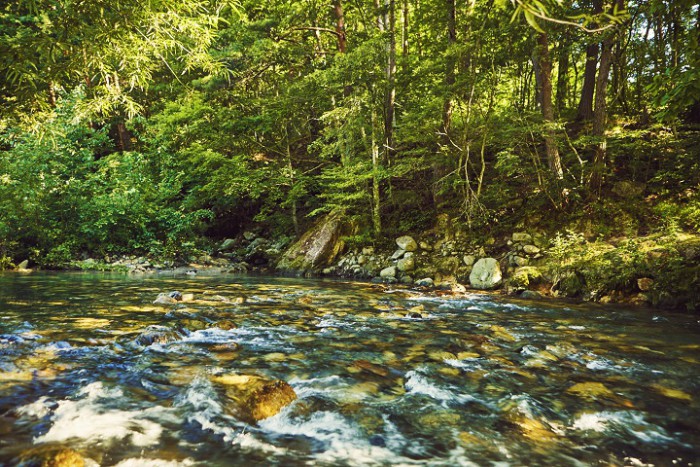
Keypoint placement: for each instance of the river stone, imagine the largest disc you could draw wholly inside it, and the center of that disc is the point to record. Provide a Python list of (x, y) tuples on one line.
[(164, 299), (157, 335), (407, 243), (406, 264), (645, 283), (519, 261), (425, 282), (407, 280), (522, 237), (51, 456), (426, 246), (469, 260), (319, 247), (525, 276), (531, 249), (398, 254), (388, 272), (253, 398), (530, 295), (448, 265), (486, 274)]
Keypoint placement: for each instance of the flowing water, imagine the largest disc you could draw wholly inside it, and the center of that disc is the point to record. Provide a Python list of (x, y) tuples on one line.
[(383, 376)]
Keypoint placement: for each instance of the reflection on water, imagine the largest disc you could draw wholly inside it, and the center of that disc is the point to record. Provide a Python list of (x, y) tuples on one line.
[(382, 377)]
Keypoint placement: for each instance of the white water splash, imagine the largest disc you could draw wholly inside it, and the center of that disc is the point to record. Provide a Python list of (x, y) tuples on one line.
[(200, 400), (88, 419), (630, 422), (343, 441), (418, 383), (37, 409), (143, 462)]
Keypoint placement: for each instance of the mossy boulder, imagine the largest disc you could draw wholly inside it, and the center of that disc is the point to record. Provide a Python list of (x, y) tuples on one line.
[(525, 277), (319, 247)]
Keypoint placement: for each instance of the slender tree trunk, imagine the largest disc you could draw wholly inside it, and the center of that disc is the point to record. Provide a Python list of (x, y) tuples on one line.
[(562, 76), (439, 165), (340, 26), (449, 65), (342, 36), (52, 94), (390, 98), (600, 117), (404, 29), (600, 112), (376, 165), (292, 181), (585, 106), (545, 67)]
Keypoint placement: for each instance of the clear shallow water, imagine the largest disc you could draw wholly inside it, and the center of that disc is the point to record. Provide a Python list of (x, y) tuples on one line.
[(474, 380)]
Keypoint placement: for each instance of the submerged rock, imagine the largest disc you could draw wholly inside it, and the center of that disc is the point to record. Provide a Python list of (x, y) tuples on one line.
[(254, 398), (169, 298), (51, 456), (157, 335), (425, 282), (486, 274)]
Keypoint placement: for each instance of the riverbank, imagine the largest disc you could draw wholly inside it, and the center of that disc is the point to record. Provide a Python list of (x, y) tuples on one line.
[(659, 270)]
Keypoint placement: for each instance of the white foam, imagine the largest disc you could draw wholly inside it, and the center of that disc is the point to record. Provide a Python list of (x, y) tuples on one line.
[(591, 421), (201, 401), (37, 409), (630, 422), (344, 442), (417, 383), (143, 462), (88, 419)]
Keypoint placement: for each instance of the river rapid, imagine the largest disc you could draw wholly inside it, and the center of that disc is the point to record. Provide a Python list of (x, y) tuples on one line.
[(383, 376)]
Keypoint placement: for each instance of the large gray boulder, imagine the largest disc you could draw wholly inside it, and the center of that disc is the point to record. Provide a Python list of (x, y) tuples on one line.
[(486, 274), (319, 247)]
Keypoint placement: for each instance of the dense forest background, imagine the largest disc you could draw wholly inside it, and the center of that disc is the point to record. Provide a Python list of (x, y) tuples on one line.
[(162, 127)]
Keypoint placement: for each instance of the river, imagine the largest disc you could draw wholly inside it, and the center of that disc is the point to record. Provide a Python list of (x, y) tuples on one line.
[(383, 376)]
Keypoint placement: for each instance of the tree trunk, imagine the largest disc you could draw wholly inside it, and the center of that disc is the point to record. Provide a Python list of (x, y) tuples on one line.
[(292, 181), (376, 164), (450, 65), (585, 106), (545, 68), (52, 94), (599, 118), (600, 112), (342, 36), (563, 76), (404, 33), (340, 26), (390, 98)]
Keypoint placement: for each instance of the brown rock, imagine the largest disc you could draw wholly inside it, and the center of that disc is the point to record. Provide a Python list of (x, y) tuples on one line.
[(52, 456), (645, 284), (254, 398)]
